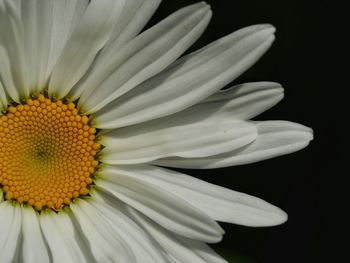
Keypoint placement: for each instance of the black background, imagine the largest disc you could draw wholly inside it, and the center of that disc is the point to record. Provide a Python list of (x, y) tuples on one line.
[(305, 183)]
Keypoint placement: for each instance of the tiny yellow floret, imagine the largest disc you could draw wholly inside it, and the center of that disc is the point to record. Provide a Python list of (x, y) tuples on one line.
[(47, 153)]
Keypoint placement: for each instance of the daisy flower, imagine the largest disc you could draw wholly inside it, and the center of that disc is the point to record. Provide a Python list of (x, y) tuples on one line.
[(92, 113)]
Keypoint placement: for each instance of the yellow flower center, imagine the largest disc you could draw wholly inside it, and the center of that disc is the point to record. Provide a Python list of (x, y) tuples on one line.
[(47, 153)]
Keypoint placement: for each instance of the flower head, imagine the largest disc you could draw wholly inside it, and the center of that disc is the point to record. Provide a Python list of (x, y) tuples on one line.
[(91, 109)]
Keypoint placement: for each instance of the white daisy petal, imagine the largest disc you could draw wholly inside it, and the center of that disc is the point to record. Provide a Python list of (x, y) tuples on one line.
[(10, 226), (217, 202), (64, 242), (243, 101), (88, 38), (274, 138), (134, 17), (144, 249), (6, 76), (66, 15), (146, 55), (41, 33), (3, 97), (90, 108), (12, 55), (239, 102), (166, 209), (178, 248), (190, 80), (106, 245), (202, 249), (36, 19), (154, 140), (34, 249)]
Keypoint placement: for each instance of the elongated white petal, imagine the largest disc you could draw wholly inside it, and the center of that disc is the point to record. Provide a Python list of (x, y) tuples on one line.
[(203, 250), (34, 249), (10, 226), (239, 102), (66, 15), (37, 21), (3, 97), (13, 70), (65, 243), (144, 249), (166, 209), (190, 80), (7, 77), (145, 56), (135, 15), (243, 101), (34, 33), (219, 203), (178, 248), (88, 38), (200, 249), (275, 138), (150, 141), (106, 245)]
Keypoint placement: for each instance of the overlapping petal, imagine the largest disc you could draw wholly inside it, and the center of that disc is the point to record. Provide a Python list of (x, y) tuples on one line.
[(88, 37), (64, 241), (46, 27), (161, 206), (9, 85), (66, 14), (3, 97), (10, 228), (177, 248), (33, 36), (143, 247), (175, 137), (244, 101), (275, 138), (190, 80), (106, 245), (33, 248), (219, 203), (13, 70), (135, 15), (143, 57)]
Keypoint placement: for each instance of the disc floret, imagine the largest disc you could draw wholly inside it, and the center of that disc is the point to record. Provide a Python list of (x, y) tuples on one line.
[(48, 153)]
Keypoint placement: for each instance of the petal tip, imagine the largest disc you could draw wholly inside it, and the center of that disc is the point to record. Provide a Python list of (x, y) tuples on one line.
[(202, 5), (281, 217), (275, 86), (276, 216), (308, 133), (271, 29)]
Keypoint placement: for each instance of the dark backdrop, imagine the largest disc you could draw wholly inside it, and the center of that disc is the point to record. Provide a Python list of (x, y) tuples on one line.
[(300, 183)]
